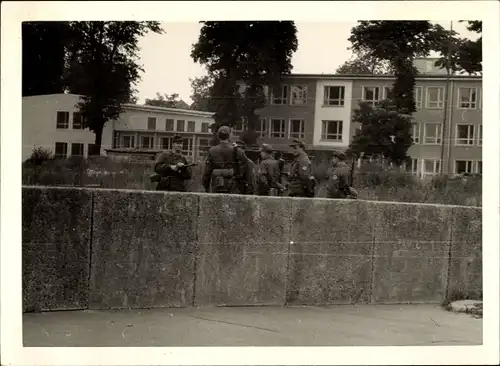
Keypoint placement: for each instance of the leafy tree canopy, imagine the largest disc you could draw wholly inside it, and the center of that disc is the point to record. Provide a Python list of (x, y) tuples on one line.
[(363, 64), (201, 88), (167, 101)]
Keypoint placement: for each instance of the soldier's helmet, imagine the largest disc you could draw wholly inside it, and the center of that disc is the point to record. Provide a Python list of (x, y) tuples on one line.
[(298, 143), (339, 155), (176, 139), (224, 132), (266, 148)]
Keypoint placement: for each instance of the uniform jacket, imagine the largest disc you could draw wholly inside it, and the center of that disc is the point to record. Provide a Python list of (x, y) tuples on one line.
[(300, 172), (338, 183), (224, 156), (268, 176), (171, 180)]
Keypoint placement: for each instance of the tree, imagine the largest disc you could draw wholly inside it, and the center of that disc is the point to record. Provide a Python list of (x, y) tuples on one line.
[(399, 42), (255, 53), (167, 101), (362, 64), (201, 88), (43, 51), (462, 55), (102, 66), (381, 124)]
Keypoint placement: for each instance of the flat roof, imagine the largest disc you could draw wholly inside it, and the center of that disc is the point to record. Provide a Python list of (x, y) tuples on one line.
[(149, 108)]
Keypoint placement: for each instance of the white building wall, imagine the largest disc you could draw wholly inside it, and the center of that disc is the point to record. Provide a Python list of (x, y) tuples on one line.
[(335, 113), (39, 122)]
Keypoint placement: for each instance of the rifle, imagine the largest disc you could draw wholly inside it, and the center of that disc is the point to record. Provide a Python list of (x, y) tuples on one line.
[(155, 177)]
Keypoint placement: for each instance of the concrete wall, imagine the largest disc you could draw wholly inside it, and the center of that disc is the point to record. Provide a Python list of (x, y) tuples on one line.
[(102, 249)]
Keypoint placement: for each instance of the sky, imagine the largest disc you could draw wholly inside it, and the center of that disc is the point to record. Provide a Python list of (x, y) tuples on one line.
[(168, 66)]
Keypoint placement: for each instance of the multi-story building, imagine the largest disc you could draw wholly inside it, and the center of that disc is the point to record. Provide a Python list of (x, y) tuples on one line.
[(53, 122), (319, 108)]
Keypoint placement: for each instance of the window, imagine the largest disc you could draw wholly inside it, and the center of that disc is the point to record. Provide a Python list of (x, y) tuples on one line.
[(463, 166), (92, 149), (205, 126), (262, 129), (480, 135), (180, 125), (77, 121), (169, 124), (464, 134), (479, 167), (334, 95), (467, 98), (62, 120), (166, 143), (191, 126), (388, 92), (416, 133), (147, 142), (417, 94), (299, 94), (412, 166), (187, 146), (280, 96), (151, 123), (296, 129), (371, 94), (76, 149), (240, 125), (61, 150), (431, 166), (435, 97), (331, 130), (128, 142), (433, 133), (278, 128)]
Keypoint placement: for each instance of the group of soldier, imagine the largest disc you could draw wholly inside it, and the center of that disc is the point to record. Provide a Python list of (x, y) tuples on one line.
[(229, 170)]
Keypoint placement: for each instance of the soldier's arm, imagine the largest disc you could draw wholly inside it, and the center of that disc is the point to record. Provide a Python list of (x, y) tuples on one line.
[(343, 180), (242, 162), (304, 169), (207, 172), (185, 171), (162, 165)]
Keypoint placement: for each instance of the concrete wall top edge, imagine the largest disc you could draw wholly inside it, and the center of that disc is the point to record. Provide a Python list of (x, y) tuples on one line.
[(202, 194)]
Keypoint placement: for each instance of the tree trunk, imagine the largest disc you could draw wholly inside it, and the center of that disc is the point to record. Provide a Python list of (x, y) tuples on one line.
[(98, 138)]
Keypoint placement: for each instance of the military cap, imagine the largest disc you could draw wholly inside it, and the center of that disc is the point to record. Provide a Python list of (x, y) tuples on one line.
[(266, 148), (177, 139), (339, 154), (299, 143), (224, 132)]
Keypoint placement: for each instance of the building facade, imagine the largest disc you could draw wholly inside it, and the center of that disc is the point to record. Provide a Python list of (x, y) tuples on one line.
[(53, 122)]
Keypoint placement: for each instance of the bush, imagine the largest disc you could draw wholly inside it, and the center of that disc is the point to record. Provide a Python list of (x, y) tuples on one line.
[(39, 156), (372, 181)]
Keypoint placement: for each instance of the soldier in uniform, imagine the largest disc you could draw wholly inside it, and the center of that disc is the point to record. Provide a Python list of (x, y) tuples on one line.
[(338, 183), (301, 184), (225, 165), (269, 174), (172, 167), (247, 184)]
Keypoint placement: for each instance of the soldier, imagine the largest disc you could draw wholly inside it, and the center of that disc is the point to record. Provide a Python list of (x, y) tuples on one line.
[(225, 165), (338, 184), (301, 180), (173, 168), (269, 172), (247, 184)]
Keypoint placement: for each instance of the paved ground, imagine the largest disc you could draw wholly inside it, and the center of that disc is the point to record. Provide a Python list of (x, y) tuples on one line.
[(367, 325)]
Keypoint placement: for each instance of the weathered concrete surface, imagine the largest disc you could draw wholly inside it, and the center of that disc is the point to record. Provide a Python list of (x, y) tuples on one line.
[(143, 249), (411, 253), (365, 325), (466, 252), (243, 250), (56, 247), (330, 258)]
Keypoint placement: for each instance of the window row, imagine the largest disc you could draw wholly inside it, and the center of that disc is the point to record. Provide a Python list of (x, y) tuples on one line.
[(465, 134), (147, 142), (77, 149), (433, 166), (178, 125), (335, 95), (277, 128)]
